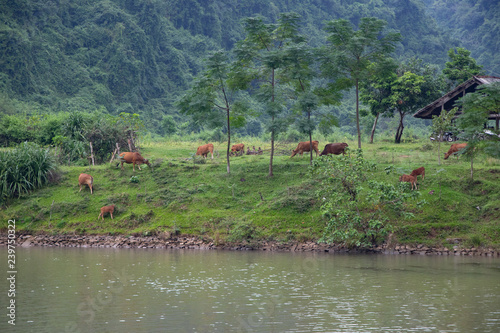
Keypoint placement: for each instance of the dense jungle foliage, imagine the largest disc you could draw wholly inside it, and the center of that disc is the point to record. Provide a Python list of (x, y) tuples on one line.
[(475, 24), (139, 56)]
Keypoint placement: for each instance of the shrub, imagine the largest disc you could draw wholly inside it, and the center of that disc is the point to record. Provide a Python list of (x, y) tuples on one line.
[(344, 197), (242, 231), (24, 169)]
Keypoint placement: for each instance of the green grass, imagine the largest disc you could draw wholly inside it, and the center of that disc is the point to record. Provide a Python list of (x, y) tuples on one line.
[(185, 196)]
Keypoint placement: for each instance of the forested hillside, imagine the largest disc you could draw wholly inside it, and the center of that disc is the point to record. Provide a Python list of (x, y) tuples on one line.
[(476, 24), (138, 56)]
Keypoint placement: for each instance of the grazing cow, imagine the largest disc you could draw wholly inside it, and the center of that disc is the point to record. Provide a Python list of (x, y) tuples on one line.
[(205, 149), (409, 179), (134, 158), (334, 148), (418, 172), (106, 209), (238, 149), (305, 146), (85, 179), (454, 148)]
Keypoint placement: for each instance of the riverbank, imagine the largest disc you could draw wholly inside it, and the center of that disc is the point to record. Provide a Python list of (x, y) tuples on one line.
[(199, 199), (197, 243)]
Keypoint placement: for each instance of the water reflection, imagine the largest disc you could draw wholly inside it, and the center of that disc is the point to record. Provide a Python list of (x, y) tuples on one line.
[(105, 290)]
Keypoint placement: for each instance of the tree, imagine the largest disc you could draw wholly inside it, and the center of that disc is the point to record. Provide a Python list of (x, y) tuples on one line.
[(210, 95), (261, 65), (441, 124), (406, 91), (475, 111), (461, 66), (298, 73), (415, 85), (348, 58), (377, 92)]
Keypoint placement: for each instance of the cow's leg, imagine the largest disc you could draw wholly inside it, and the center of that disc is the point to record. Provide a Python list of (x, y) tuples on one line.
[(122, 165), (111, 215)]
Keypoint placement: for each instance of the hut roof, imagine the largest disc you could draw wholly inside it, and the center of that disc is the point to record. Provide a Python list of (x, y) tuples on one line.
[(447, 102)]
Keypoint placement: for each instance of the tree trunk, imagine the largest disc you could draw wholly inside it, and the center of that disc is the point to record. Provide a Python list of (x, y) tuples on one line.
[(399, 132), (357, 114), (472, 168), (439, 152), (272, 131), (272, 152), (91, 153), (228, 141), (310, 140), (374, 126)]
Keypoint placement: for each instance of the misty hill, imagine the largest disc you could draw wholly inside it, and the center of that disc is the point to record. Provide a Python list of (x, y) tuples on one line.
[(137, 56)]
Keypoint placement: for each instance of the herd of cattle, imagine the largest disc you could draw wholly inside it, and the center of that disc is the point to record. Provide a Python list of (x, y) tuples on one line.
[(135, 158)]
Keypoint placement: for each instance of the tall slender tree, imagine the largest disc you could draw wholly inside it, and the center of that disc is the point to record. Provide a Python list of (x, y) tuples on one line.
[(210, 100), (299, 73), (261, 64), (349, 54)]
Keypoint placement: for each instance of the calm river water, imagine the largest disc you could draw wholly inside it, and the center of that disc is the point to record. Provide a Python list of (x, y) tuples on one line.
[(127, 290)]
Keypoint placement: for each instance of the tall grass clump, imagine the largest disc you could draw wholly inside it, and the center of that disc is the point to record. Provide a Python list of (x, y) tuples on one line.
[(24, 169)]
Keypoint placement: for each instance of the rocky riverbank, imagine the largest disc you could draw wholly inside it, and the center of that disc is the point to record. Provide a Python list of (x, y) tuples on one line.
[(186, 242)]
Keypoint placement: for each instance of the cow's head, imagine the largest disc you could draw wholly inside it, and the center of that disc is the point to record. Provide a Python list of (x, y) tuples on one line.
[(148, 164)]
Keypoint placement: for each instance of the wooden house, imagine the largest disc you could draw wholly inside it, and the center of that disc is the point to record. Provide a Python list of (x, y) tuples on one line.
[(447, 102)]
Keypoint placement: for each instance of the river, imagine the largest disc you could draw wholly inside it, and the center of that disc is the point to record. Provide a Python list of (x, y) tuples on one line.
[(138, 290)]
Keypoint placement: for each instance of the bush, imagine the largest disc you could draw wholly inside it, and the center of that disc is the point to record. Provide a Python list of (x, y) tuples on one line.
[(72, 133), (24, 169), (13, 130), (345, 198), (242, 231)]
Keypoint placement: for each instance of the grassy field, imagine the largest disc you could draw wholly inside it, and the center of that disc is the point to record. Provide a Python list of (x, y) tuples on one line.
[(184, 196)]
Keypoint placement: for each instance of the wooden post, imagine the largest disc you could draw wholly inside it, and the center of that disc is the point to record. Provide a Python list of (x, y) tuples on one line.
[(92, 153), (130, 145), (113, 156)]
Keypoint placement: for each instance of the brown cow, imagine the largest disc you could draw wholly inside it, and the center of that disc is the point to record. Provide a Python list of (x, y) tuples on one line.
[(409, 179), (85, 179), (418, 172), (107, 209), (205, 149), (134, 158), (238, 149), (334, 148), (305, 146), (454, 148)]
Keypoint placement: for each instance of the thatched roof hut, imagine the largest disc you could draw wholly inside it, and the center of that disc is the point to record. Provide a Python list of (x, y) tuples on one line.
[(447, 102)]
